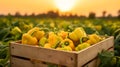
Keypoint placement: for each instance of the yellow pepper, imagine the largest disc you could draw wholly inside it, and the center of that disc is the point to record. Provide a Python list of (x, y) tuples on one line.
[(63, 34), (80, 32), (33, 30), (66, 48), (52, 24), (94, 38), (42, 41), (98, 27), (82, 46), (89, 41), (16, 30), (77, 34), (67, 42), (53, 39), (47, 45), (28, 39), (73, 36), (38, 34), (27, 26)]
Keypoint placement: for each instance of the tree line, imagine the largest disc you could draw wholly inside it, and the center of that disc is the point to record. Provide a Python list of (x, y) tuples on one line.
[(54, 14)]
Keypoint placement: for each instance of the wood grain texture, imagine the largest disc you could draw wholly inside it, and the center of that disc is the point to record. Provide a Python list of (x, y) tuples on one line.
[(43, 54), (16, 62), (69, 59)]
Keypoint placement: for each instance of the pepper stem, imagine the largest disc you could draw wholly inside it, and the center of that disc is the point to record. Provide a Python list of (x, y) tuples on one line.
[(66, 43)]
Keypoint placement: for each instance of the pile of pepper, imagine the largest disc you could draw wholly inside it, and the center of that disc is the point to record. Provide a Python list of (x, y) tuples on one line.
[(62, 40)]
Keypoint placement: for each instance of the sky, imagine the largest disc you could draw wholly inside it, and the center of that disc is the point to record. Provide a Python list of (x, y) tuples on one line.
[(81, 7)]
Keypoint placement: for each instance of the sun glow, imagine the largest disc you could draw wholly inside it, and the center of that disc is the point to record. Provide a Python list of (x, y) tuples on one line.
[(65, 5)]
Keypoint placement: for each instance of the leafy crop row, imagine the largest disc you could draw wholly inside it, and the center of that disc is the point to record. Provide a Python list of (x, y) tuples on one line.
[(11, 29)]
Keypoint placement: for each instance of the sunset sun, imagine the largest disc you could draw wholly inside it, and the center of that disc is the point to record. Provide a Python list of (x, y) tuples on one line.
[(65, 5)]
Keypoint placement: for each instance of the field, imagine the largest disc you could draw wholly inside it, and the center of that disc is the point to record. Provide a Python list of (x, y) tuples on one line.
[(12, 28)]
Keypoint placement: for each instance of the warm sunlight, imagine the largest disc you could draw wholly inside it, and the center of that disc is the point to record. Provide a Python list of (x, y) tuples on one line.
[(79, 7), (65, 5)]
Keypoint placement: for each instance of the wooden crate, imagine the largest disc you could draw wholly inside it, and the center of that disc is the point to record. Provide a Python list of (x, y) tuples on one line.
[(32, 56)]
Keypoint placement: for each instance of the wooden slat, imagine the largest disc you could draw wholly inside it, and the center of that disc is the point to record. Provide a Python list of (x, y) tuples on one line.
[(16, 62), (93, 63), (91, 52), (69, 59), (43, 54), (96, 61)]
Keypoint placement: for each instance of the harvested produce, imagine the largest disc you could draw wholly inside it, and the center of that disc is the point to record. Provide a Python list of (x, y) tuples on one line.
[(75, 40)]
